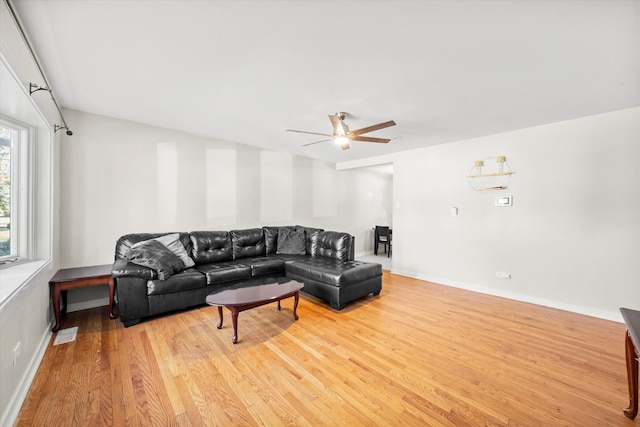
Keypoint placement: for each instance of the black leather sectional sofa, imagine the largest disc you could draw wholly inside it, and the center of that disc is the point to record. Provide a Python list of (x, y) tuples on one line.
[(149, 281)]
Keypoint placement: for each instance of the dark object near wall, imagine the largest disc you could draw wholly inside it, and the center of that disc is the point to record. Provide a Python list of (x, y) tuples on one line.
[(383, 236)]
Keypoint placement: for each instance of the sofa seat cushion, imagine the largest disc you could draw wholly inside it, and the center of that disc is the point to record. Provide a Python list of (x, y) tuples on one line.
[(332, 271), (264, 266), (185, 280), (223, 272)]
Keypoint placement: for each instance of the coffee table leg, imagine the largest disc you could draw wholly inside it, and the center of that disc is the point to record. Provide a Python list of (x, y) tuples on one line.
[(220, 316), (279, 308), (295, 305), (234, 320)]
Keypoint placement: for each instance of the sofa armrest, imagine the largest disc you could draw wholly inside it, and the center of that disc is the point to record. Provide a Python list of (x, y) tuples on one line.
[(123, 268), (133, 301)]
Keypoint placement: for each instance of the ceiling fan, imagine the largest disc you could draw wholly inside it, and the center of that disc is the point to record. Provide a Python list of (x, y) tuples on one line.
[(342, 135)]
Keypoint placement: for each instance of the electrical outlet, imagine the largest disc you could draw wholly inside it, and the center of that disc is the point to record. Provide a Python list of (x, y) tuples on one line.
[(503, 275), (16, 353)]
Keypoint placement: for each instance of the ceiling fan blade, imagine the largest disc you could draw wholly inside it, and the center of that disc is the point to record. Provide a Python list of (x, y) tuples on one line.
[(339, 127), (374, 127), (369, 139), (318, 142), (312, 133), (335, 121)]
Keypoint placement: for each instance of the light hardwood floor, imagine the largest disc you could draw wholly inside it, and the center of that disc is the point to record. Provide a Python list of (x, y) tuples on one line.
[(419, 354)]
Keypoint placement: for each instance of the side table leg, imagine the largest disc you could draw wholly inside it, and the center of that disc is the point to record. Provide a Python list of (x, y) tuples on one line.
[(295, 305), (234, 320), (219, 325), (632, 377), (112, 294), (56, 306)]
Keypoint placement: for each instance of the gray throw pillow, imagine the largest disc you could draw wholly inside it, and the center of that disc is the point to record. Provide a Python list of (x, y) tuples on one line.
[(156, 256), (173, 243), (291, 242)]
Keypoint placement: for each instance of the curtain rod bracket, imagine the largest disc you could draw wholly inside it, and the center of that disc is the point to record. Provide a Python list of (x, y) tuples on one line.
[(56, 128), (35, 88)]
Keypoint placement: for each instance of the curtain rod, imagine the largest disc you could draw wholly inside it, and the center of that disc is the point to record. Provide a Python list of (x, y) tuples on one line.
[(40, 69)]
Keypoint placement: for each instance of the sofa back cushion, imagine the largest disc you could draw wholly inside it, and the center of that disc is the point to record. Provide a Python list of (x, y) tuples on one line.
[(271, 237), (211, 246), (124, 243), (333, 244), (291, 242), (311, 235), (248, 243)]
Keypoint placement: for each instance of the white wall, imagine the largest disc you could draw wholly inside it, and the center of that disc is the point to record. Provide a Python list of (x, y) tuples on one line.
[(25, 313), (572, 237), (120, 177)]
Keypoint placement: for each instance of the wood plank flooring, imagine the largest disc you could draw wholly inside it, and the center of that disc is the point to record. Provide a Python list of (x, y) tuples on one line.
[(419, 354)]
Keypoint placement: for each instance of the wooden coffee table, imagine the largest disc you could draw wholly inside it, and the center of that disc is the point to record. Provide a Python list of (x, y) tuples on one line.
[(254, 293)]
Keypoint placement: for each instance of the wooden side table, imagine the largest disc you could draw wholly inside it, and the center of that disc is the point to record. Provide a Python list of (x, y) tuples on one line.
[(631, 346), (81, 277)]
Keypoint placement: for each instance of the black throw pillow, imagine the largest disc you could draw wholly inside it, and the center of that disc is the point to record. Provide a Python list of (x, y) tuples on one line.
[(291, 242), (156, 256)]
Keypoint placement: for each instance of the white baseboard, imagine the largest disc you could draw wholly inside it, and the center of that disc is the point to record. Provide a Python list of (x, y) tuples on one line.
[(588, 311), (16, 401), (365, 253)]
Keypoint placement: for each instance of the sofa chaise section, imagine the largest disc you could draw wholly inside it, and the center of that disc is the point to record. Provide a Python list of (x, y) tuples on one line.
[(332, 274)]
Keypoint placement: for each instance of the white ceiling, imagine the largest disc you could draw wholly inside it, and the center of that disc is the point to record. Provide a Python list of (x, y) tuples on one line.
[(245, 71)]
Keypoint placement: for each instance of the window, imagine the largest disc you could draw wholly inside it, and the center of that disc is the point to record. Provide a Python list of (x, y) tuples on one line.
[(28, 144), (6, 138), (13, 227)]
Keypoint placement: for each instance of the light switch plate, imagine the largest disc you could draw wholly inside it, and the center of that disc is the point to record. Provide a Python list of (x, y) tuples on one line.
[(504, 201)]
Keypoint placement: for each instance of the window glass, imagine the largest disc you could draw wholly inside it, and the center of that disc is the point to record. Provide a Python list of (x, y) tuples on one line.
[(7, 249)]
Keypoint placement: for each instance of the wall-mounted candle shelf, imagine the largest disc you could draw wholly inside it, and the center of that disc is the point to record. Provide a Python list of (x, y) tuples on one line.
[(493, 173)]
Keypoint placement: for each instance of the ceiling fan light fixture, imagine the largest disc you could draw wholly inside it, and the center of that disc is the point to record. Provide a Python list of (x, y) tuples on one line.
[(341, 140)]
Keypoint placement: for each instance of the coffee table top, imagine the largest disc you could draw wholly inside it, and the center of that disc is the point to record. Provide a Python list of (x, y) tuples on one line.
[(254, 291)]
